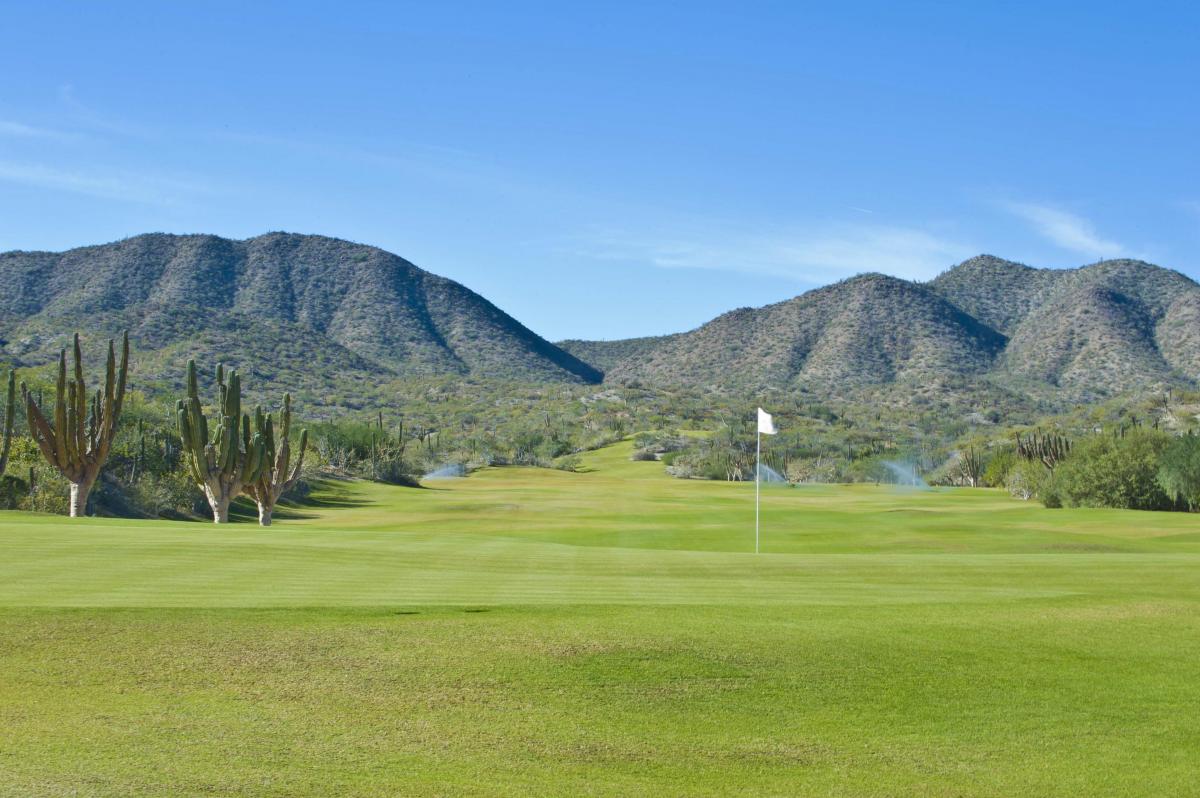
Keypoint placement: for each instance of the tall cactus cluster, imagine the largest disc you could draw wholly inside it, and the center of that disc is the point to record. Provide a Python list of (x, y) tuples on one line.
[(1049, 449), (969, 467), (79, 438), (223, 463), (10, 411), (235, 459), (278, 475)]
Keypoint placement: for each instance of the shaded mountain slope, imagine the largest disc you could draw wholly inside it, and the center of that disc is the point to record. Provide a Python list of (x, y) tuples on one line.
[(1089, 341), (604, 355), (997, 292), (1099, 331), (867, 330), (1177, 335), (346, 304)]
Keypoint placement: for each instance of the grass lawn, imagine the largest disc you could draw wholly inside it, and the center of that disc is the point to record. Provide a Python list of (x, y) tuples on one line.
[(528, 632)]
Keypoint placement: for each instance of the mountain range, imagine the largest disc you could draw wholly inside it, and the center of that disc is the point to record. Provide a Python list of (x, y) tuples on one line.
[(1067, 334), (336, 318), (298, 310)]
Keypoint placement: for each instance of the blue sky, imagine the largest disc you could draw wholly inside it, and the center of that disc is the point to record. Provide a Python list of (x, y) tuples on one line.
[(608, 170)]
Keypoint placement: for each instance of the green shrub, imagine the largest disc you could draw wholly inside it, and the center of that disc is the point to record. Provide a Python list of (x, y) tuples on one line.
[(12, 492), (568, 462), (1051, 494), (1026, 479), (1120, 472), (1001, 464), (1179, 470)]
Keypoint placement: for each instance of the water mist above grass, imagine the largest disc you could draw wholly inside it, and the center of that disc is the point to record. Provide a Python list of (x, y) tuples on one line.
[(770, 475), (448, 471), (905, 475)]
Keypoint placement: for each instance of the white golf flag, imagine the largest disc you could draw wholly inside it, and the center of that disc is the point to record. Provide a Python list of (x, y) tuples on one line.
[(765, 425)]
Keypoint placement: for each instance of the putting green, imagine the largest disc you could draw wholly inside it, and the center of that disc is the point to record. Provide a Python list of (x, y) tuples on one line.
[(610, 632)]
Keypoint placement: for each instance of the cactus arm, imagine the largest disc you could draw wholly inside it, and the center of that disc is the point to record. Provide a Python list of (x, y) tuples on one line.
[(187, 439), (260, 465), (80, 403), (223, 438), (193, 389), (299, 457), (39, 428), (10, 408), (60, 410), (107, 412), (69, 431), (285, 418), (106, 428), (110, 368), (235, 395), (122, 379)]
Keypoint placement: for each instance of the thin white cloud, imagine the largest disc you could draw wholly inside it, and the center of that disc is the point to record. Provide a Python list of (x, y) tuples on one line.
[(1066, 230), (911, 253), (128, 187), (450, 166), (20, 130), (84, 117), (808, 256)]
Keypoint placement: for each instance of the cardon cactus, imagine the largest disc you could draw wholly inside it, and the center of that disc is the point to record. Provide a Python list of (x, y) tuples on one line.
[(10, 410), (278, 475), (232, 458), (78, 441), (1049, 449)]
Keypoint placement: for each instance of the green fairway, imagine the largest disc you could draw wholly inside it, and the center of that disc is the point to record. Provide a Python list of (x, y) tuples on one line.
[(533, 632)]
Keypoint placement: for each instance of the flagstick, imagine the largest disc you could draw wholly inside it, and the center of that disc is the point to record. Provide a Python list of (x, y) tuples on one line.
[(757, 477)]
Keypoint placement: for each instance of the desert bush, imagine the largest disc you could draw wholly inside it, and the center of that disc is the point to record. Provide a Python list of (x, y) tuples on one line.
[(568, 462), (999, 466), (1179, 470), (1114, 471), (681, 470), (812, 469), (1026, 479), (13, 491)]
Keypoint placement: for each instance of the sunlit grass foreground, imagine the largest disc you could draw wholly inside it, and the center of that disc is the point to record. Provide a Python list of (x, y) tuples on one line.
[(530, 632)]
